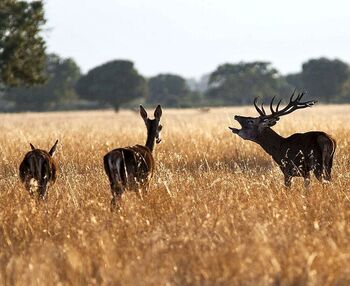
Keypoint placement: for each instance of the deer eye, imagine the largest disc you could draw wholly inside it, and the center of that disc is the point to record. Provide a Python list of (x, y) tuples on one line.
[(160, 127)]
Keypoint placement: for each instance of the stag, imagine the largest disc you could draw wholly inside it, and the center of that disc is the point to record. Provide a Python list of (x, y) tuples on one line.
[(296, 155), (132, 167), (38, 170)]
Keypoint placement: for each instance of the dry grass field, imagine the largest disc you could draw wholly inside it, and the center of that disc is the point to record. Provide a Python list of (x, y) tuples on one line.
[(216, 213)]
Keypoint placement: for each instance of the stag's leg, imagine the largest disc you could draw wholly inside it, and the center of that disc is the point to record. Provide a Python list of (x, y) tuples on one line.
[(318, 173), (287, 181), (327, 173), (322, 173), (328, 163), (328, 147)]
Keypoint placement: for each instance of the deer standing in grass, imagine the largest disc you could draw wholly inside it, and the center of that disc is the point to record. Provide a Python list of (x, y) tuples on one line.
[(132, 167), (296, 155), (38, 170)]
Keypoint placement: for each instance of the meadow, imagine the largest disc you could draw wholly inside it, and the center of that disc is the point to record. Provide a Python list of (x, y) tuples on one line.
[(216, 212)]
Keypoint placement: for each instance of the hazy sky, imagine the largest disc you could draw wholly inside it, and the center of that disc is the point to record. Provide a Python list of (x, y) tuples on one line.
[(193, 37)]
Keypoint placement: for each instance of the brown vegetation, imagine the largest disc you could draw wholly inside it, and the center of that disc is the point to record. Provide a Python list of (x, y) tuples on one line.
[(216, 212)]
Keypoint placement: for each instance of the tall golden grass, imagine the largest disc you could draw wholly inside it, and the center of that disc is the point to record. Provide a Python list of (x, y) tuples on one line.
[(216, 213)]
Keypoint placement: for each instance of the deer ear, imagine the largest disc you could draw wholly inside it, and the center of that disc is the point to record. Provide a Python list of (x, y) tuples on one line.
[(143, 113), (32, 146), (158, 112), (53, 149)]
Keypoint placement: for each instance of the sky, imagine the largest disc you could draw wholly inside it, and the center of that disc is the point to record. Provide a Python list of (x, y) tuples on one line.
[(193, 37)]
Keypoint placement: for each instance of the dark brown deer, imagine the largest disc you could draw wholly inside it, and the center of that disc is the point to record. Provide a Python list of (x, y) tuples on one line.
[(132, 167), (38, 170), (296, 155)]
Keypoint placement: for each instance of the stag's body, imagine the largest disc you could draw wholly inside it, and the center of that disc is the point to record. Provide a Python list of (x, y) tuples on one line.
[(132, 167), (300, 154), (296, 155), (38, 170)]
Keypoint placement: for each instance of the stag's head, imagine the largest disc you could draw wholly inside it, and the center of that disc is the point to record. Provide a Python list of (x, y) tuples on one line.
[(252, 127), (153, 125)]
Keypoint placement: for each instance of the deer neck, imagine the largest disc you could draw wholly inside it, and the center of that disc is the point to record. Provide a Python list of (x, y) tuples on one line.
[(271, 142), (151, 136)]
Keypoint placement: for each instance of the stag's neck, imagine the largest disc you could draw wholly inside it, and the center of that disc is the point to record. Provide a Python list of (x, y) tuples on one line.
[(150, 141), (271, 142)]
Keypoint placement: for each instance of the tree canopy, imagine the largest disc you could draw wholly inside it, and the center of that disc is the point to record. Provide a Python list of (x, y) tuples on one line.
[(61, 74), (167, 89), (324, 78), (240, 83), (114, 82), (22, 48)]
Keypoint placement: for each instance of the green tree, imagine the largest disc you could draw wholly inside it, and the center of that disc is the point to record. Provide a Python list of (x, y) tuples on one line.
[(240, 83), (116, 82), (295, 80), (324, 78), (344, 95), (168, 89), (61, 74), (22, 48)]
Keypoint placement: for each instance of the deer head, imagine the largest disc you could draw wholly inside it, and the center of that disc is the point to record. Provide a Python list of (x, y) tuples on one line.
[(252, 127), (152, 125)]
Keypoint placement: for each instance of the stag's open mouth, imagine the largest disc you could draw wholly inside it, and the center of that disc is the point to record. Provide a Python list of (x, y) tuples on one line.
[(235, 130)]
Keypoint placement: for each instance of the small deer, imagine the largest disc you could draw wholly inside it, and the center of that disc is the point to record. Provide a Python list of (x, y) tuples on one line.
[(296, 155), (38, 170), (132, 167)]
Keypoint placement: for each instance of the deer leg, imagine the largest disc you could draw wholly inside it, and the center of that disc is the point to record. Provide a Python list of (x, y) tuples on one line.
[(142, 189), (328, 148), (307, 180), (146, 187), (115, 201), (287, 181), (42, 192), (318, 173), (117, 192), (28, 186), (327, 169)]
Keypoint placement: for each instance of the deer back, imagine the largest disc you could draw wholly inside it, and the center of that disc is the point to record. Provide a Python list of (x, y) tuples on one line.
[(307, 150), (134, 164), (39, 165)]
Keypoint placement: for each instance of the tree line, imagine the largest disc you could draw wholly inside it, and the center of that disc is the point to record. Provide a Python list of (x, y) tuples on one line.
[(31, 79), (118, 84)]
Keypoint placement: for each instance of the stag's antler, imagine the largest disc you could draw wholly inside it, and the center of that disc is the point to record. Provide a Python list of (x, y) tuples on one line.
[(293, 105)]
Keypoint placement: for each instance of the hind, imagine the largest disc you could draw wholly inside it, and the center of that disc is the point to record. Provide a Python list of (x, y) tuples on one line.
[(38, 170)]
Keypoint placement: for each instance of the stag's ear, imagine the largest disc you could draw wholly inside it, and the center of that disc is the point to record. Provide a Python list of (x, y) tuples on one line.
[(143, 113), (269, 122), (32, 146), (53, 149), (158, 112)]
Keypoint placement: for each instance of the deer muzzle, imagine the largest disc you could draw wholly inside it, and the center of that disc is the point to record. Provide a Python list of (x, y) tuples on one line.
[(234, 130), (240, 120)]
